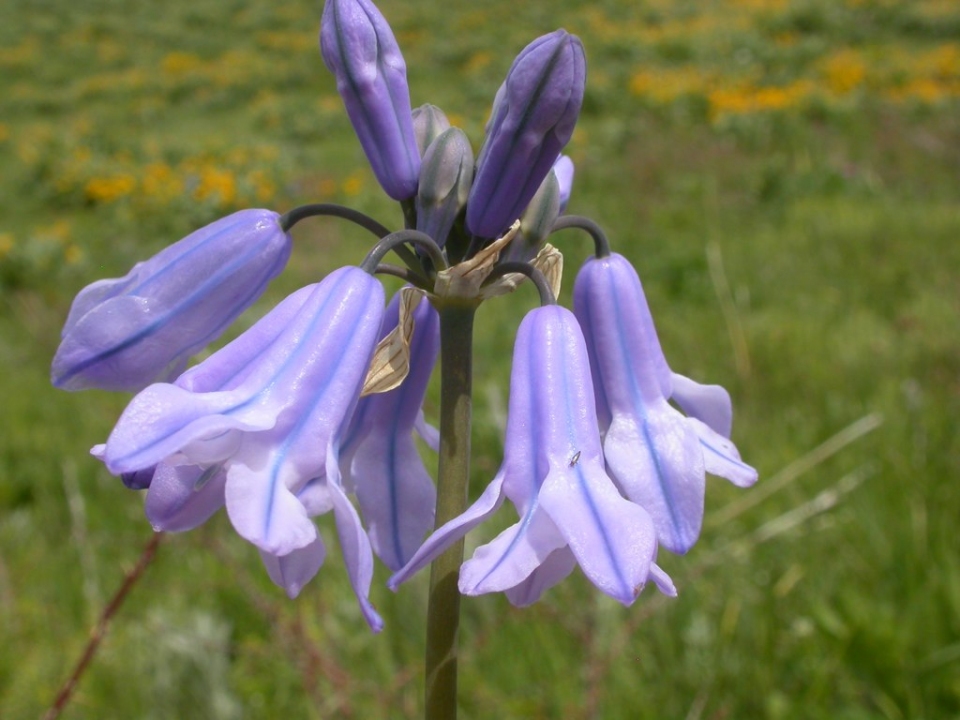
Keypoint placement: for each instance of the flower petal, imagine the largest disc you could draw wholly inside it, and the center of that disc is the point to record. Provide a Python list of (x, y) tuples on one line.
[(512, 556), (163, 419), (720, 456), (443, 537), (295, 569), (379, 459), (356, 553), (612, 538), (556, 567), (657, 462), (663, 581), (183, 497), (260, 504), (707, 403), (396, 496), (427, 432)]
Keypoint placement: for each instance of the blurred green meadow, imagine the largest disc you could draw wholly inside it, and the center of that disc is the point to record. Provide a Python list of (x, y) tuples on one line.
[(785, 175)]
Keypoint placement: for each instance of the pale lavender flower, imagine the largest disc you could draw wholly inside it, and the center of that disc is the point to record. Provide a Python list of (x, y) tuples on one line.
[(379, 459), (123, 334), (534, 114), (257, 427), (657, 456), (571, 512), (359, 48)]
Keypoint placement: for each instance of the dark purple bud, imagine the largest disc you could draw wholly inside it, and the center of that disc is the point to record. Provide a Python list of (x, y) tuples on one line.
[(358, 46), (533, 118)]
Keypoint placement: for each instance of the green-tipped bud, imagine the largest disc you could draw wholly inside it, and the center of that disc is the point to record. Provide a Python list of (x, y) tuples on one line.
[(428, 122), (445, 178), (537, 220)]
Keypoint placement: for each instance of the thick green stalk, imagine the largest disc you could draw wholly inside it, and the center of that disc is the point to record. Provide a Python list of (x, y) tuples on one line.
[(443, 613)]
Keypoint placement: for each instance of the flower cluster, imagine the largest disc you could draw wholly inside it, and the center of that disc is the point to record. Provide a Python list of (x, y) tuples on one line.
[(318, 403)]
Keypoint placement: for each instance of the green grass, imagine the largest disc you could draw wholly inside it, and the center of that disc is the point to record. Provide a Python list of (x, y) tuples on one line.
[(806, 258)]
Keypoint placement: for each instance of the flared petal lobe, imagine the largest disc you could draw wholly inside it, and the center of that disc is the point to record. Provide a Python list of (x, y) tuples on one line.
[(125, 333), (257, 427), (361, 51), (533, 118)]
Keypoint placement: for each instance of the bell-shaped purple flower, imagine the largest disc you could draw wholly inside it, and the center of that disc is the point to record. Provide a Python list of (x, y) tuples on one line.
[(359, 48), (571, 512), (125, 333), (379, 459), (533, 118), (657, 456), (257, 426)]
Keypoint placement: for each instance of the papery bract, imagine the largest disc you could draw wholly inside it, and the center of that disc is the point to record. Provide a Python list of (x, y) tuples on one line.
[(123, 334), (533, 117), (257, 426), (359, 48), (657, 455), (379, 459), (571, 513)]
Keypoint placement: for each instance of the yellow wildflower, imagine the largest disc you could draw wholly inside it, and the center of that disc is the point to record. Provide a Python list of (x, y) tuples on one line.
[(110, 188)]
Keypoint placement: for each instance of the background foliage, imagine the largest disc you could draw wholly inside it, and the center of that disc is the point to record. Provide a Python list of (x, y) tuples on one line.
[(783, 173)]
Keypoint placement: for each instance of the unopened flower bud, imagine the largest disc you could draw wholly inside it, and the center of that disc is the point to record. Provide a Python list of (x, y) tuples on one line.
[(534, 116), (428, 122), (563, 168), (445, 179), (537, 220), (126, 333), (359, 48)]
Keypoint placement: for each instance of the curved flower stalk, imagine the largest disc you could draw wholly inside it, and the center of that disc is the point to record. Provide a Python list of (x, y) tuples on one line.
[(571, 512), (534, 114), (379, 460), (257, 427), (359, 48), (123, 334), (657, 456)]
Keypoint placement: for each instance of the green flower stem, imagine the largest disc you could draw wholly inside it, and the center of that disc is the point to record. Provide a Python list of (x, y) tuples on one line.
[(443, 613)]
